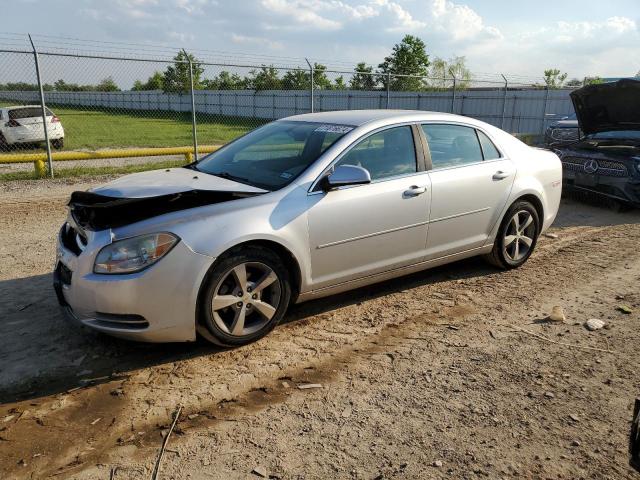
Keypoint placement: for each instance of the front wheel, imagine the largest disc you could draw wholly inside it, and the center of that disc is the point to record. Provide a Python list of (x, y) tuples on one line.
[(517, 236), (245, 296)]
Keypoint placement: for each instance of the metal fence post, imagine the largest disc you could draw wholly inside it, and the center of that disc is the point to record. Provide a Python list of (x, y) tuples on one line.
[(311, 83), (453, 95), (44, 114), (193, 108), (504, 101), (544, 109), (388, 89)]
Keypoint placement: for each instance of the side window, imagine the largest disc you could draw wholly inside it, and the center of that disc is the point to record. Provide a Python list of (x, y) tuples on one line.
[(488, 148), (452, 145), (384, 154)]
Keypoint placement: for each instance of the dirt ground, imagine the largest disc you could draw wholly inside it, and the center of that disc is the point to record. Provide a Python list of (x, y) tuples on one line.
[(449, 373)]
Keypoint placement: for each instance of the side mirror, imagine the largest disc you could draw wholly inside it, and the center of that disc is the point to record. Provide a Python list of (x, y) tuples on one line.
[(345, 175)]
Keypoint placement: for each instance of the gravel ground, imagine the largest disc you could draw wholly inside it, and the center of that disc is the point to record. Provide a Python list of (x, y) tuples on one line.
[(450, 373)]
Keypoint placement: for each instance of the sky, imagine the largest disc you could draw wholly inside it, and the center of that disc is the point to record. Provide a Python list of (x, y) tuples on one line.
[(517, 38)]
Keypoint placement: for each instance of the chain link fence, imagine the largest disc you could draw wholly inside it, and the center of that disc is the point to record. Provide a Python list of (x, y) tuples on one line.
[(107, 103)]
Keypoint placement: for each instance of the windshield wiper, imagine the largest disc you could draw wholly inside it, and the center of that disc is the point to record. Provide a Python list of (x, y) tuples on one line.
[(230, 176)]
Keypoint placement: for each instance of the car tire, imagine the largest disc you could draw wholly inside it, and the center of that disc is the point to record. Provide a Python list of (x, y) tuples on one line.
[(58, 143), (245, 295), (517, 236), (4, 146)]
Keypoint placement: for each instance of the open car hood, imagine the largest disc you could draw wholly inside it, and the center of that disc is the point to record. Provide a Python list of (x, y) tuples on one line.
[(608, 107), (144, 195)]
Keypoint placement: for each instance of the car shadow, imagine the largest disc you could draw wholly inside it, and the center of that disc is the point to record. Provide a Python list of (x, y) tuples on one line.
[(44, 353)]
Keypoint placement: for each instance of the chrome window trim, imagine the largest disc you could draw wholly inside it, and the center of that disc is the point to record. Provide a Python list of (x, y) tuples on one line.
[(462, 124), (347, 149)]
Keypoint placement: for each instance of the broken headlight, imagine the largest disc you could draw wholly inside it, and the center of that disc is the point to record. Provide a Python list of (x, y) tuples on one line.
[(134, 254)]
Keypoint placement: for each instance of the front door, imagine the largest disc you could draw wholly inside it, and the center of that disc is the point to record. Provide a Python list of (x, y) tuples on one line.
[(470, 184), (367, 229)]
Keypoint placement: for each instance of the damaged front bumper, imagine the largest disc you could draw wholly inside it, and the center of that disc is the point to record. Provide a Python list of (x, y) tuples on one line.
[(157, 304)]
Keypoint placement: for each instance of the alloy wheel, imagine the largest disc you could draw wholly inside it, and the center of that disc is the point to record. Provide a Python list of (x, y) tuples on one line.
[(246, 298), (519, 235)]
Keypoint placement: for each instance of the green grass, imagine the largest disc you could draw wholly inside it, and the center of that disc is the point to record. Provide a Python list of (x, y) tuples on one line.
[(92, 171), (92, 129)]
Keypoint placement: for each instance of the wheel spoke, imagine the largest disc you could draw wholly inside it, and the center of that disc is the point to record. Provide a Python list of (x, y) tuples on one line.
[(527, 222), (238, 321), (265, 281), (268, 311), (222, 301), (527, 241), (516, 221), (240, 274), (516, 250), (509, 239)]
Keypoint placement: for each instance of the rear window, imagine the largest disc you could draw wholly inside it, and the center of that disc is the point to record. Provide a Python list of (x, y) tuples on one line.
[(27, 112)]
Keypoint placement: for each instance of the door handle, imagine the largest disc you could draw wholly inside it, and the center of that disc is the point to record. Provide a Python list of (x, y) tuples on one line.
[(414, 191), (500, 175)]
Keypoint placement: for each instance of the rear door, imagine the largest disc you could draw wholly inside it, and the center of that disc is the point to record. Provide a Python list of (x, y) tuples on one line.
[(470, 183)]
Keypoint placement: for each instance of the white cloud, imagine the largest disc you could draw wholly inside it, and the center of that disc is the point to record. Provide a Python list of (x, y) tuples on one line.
[(302, 12), (255, 41)]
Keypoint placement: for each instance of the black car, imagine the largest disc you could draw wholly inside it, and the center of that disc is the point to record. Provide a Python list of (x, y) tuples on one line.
[(562, 132), (606, 161)]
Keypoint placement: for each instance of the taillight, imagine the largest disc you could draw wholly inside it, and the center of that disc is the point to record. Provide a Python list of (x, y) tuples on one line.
[(54, 119), (12, 123)]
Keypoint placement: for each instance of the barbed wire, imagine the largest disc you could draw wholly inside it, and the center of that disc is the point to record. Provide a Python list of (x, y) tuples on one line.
[(163, 53)]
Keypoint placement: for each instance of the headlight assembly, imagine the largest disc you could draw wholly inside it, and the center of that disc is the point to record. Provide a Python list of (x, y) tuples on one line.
[(134, 254)]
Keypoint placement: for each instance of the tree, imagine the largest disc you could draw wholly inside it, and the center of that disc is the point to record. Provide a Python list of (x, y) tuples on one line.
[(553, 78), (409, 57), (339, 84), (296, 80), (154, 82), (363, 78), (176, 77), (574, 82), (225, 81), (592, 81), (320, 80), (299, 79), (441, 73), (107, 85), (264, 79)]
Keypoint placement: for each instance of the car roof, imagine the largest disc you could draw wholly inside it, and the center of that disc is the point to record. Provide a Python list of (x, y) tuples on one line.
[(15, 107), (360, 117)]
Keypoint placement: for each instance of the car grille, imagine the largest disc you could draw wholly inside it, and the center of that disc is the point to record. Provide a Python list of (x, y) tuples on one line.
[(72, 239), (564, 134), (605, 167)]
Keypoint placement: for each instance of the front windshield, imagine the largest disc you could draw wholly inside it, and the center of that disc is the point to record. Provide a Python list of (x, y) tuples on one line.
[(272, 156)]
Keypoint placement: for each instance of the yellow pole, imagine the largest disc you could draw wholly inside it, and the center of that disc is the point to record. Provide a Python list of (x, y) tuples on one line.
[(40, 168)]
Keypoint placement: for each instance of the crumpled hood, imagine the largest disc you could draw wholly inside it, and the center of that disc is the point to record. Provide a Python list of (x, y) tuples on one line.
[(608, 107), (136, 197), (155, 183)]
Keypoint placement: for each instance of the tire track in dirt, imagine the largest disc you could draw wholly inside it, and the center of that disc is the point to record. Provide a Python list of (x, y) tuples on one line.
[(303, 348)]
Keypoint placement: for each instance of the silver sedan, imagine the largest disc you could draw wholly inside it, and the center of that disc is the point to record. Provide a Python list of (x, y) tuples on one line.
[(298, 209)]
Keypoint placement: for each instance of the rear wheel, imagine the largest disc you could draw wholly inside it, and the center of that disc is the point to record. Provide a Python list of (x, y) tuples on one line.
[(58, 143), (245, 296), (517, 236)]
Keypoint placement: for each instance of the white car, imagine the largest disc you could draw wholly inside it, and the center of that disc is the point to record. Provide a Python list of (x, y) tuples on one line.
[(298, 209), (23, 124)]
